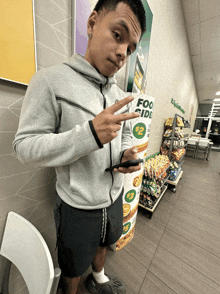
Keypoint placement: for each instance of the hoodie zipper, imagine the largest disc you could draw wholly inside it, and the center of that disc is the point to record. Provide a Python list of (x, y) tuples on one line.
[(110, 144)]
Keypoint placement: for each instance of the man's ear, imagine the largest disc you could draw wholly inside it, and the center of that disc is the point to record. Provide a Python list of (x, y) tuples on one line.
[(92, 21)]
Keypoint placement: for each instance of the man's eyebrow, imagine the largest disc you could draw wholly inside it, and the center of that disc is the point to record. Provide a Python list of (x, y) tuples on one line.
[(122, 23)]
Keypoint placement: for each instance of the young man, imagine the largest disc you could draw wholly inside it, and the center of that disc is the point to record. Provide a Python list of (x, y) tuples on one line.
[(74, 118)]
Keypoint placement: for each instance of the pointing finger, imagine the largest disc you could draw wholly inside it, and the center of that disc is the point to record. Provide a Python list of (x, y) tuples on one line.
[(125, 116), (118, 105)]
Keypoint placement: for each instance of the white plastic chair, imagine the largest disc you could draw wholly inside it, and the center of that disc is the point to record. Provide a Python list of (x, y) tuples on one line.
[(204, 139), (203, 147), (25, 247), (192, 145)]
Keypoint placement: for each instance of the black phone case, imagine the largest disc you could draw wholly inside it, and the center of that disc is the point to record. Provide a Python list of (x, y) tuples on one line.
[(126, 164)]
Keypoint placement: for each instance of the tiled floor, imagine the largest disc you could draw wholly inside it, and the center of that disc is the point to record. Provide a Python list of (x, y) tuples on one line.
[(178, 250)]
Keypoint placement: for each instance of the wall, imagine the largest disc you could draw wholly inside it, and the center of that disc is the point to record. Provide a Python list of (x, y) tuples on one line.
[(28, 190), (169, 73)]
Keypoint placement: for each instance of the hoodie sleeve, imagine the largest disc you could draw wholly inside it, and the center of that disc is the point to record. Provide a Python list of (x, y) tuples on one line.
[(126, 136), (36, 140)]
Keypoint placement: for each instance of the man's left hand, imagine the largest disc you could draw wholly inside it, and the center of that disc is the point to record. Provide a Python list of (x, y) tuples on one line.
[(129, 154)]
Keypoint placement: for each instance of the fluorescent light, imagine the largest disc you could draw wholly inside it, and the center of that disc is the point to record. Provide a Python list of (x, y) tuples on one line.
[(217, 93)]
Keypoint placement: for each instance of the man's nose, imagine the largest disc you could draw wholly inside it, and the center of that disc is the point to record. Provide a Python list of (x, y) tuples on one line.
[(122, 52)]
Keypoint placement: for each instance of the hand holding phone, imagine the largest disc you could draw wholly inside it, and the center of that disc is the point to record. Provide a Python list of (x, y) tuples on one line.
[(125, 164)]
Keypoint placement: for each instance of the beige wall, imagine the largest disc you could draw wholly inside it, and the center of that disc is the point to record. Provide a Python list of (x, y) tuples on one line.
[(29, 190), (169, 73)]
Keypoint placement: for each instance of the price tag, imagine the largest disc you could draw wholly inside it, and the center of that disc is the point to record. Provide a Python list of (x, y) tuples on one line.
[(130, 196), (139, 130)]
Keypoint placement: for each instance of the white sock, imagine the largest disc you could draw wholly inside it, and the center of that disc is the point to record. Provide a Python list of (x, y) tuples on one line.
[(100, 277)]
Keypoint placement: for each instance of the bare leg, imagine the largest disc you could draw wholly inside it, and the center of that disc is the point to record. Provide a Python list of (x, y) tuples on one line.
[(99, 259), (71, 285)]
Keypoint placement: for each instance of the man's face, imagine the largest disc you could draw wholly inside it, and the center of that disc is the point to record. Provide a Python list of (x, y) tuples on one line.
[(115, 35)]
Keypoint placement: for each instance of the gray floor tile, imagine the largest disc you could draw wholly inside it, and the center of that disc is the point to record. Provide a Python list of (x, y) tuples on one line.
[(198, 221), (150, 229), (161, 216), (127, 269), (195, 197), (199, 236), (195, 256), (153, 285), (141, 249), (206, 177), (179, 276), (199, 185)]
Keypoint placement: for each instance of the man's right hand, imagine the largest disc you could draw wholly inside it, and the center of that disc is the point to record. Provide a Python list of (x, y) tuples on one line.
[(107, 124)]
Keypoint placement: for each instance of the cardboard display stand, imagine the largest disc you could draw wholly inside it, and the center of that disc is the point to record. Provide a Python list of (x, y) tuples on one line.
[(132, 182)]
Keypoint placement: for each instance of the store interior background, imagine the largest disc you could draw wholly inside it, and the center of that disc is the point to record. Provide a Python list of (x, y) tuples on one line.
[(178, 68)]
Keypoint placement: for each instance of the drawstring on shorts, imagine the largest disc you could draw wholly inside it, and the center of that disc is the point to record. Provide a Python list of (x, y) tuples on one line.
[(104, 224)]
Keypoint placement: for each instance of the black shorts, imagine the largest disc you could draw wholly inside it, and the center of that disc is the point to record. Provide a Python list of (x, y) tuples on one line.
[(80, 232)]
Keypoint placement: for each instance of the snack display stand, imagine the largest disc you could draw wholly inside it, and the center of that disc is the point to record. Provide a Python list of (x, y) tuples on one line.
[(175, 148), (152, 209), (153, 184), (175, 183), (163, 171)]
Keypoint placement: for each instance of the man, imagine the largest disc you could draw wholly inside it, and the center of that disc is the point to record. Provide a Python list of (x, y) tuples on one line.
[(74, 118)]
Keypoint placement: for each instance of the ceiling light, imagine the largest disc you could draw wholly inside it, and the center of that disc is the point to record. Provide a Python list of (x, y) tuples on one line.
[(217, 93)]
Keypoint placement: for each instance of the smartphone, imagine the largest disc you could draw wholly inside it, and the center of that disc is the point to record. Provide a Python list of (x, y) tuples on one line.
[(126, 164)]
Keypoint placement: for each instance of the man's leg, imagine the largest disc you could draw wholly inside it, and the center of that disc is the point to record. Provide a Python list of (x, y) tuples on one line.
[(99, 259), (98, 265), (70, 285)]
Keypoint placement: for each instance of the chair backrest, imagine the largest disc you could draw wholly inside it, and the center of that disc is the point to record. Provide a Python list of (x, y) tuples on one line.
[(24, 246), (203, 143), (204, 139), (192, 141)]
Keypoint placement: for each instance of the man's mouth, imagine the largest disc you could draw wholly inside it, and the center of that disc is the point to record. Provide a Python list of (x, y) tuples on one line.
[(115, 64)]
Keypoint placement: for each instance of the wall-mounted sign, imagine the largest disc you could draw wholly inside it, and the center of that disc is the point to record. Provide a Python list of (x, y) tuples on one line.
[(177, 105), (132, 66), (17, 41), (81, 11)]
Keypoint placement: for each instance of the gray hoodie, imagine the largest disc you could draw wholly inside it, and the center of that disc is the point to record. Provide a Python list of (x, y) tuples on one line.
[(55, 130)]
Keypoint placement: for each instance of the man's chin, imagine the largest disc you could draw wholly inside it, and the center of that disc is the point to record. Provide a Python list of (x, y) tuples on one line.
[(108, 72)]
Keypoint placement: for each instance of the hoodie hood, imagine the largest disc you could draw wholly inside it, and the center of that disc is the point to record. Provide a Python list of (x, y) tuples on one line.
[(78, 63)]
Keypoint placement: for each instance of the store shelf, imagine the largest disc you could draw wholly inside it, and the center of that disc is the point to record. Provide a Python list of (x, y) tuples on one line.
[(174, 183), (151, 210)]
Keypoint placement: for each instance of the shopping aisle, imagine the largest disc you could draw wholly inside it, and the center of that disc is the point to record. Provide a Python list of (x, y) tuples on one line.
[(177, 251)]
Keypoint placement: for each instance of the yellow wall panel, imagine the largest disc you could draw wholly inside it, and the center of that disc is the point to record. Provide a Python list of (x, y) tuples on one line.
[(17, 45)]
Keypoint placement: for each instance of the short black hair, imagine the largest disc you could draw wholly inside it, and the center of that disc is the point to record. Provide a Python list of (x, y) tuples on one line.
[(135, 5)]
